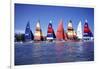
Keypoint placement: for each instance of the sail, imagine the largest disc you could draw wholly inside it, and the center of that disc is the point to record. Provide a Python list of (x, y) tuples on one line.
[(50, 32), (38, 32), (79, 31), (28, 33), (70, 30), (60, 35), (70, 26), (88, 35)]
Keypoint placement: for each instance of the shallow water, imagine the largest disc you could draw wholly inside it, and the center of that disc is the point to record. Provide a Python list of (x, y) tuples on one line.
[(53, 52)]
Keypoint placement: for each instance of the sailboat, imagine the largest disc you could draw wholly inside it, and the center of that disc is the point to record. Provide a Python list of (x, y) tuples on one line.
[(60, 35), (50, 32), (79, 31), (28, 33), (38, 32), (70, 31), (87, 35)]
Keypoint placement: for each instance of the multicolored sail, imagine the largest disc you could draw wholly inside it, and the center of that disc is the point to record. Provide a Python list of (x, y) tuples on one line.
[(28, 33), (38, 32), (70, 30), (50, 32), (87, 32), (60, 35)]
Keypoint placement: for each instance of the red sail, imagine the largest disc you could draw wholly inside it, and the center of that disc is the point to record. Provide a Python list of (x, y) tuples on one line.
[(60, 31), (86, 28), (50, 30)]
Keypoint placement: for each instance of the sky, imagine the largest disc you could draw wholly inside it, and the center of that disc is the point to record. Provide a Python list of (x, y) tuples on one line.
[(31, 13)]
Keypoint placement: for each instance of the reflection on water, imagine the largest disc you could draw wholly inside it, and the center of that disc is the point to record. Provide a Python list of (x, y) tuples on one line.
[(53, 52)]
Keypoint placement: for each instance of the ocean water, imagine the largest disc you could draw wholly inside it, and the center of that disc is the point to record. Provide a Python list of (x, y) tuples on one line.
[(53, 52)]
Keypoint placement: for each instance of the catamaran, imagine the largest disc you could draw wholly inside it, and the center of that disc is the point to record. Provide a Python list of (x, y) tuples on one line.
[(79, 31)]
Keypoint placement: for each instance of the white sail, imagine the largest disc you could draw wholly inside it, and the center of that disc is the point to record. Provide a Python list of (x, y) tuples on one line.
[(79, 31)]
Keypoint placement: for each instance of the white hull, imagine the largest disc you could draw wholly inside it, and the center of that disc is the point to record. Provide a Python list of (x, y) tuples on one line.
[(88, 38)]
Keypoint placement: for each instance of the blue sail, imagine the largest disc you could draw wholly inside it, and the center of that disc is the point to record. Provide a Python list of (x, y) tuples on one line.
[(28, 33)]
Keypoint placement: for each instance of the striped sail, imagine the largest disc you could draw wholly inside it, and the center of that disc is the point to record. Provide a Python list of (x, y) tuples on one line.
[(88, 35), (38, 32), (50, 32), (70, 30)]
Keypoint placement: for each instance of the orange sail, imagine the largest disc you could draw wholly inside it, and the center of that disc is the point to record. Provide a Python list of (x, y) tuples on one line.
[(60, 35)]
